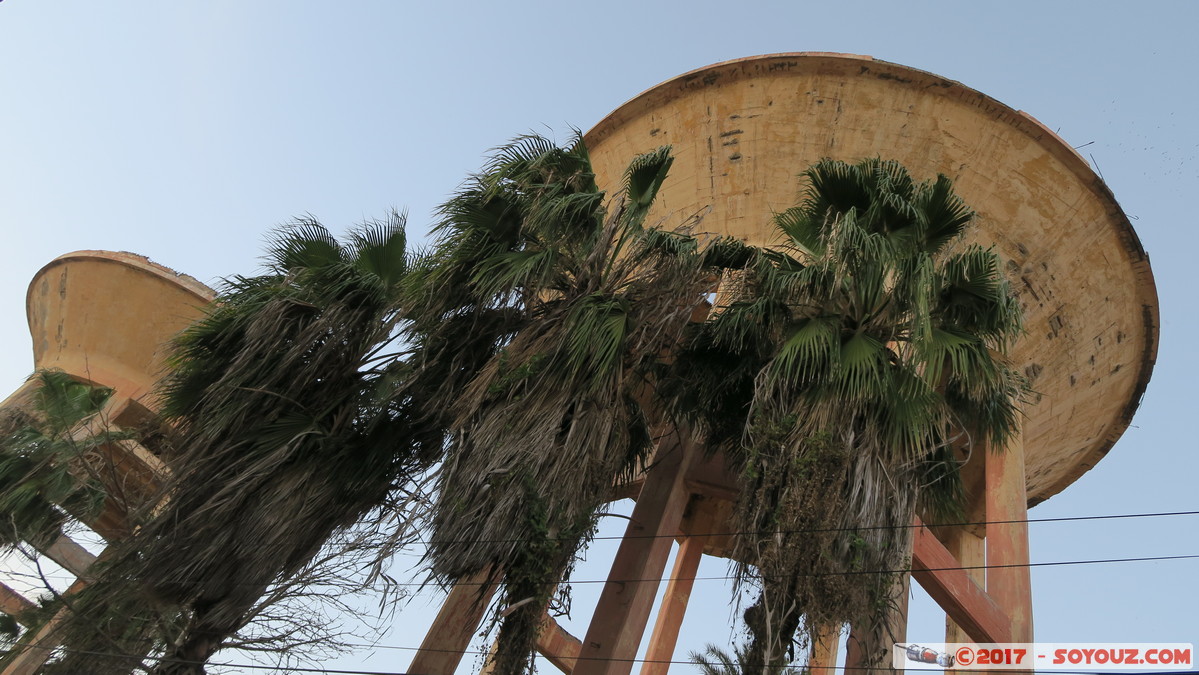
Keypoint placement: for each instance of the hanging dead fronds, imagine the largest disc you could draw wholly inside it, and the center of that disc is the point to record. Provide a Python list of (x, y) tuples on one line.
[(578, 301), (852, 357), (289, 432)]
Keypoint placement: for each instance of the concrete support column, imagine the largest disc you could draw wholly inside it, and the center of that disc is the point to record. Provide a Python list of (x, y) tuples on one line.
[(13, 603), (628, 597), (1008, 576), (34, 650), (674, 606), (455, 625), (557, 646), (824, 651), (970, 550), (964, 601), (69, 555)]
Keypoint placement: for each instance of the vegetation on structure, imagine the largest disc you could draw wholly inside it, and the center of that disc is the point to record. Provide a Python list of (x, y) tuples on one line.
[(10, 630), (529, 359), (290, 431), (716, 661), (58, 476), (841, 372), (572, 299), (44, 478)]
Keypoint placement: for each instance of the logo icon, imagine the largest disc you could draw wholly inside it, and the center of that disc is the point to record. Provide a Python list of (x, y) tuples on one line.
[(926, 655)]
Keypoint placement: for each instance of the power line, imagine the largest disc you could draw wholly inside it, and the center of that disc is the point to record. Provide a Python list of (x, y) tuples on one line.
[(733, 533), (814, 530), (1161, 514), (1117, 516), (477, 652), (675, 662), (899, 527), (167, 659), (908, 570), (1059, 563)]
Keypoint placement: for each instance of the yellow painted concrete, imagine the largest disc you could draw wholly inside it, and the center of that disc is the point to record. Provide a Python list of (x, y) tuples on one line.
[(107, 317)]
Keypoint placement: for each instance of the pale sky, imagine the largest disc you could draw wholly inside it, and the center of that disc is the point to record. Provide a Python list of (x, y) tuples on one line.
[(184, 130)]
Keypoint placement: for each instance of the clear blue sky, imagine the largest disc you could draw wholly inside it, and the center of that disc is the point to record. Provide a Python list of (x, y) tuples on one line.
[(184, 130)]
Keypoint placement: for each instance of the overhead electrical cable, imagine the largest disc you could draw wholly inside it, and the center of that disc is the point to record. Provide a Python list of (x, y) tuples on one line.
[(476, 652), (1052, 563)]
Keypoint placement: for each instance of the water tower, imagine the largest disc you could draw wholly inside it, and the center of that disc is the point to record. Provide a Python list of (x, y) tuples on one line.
[(741, 131), (104, 318)]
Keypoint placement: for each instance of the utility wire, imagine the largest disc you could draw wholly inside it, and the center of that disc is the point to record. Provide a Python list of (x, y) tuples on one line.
[(833, 529), (730, 577), (908, 526), (731, 533), (477, 652), (1060, 519), (859, 572), (167, 659), (1054, 563)]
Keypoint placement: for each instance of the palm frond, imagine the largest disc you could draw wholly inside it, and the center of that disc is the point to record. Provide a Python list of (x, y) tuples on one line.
[(809, 356), (381, 249), (284, 439), (305, 243), (728, 253), (44, 475), (875, 354), (642, 180), (546, 411), (943, 215)]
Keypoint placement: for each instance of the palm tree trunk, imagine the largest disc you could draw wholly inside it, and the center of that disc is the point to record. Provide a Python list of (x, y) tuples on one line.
[(772, 621), (213, 622), (202, 640), (518, 631)]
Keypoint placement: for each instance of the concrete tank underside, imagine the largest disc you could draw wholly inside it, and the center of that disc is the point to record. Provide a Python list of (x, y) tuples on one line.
[(743, 130)]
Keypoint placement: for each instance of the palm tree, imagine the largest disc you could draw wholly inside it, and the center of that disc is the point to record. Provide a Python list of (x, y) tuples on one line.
[(556, 302), (715, 661), (839, 374), (44, 477), (289, 431), (52, 476)]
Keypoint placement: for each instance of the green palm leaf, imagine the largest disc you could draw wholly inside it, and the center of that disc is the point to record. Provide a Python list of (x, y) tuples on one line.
[(579, 301), (876, 356), (381, 249), (44, 481), (284, 436), (642, 180), (305, 244)]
